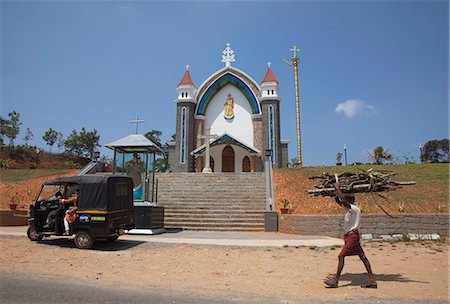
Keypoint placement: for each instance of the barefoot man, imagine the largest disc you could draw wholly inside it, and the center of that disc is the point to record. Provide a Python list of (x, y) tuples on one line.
[(351, 238)]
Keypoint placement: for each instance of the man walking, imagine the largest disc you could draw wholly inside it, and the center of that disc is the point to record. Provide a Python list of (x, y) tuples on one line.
[(352, 245)]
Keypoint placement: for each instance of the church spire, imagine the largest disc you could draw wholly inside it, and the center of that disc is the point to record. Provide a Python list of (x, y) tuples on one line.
[(269, 85), (270, 76), (186, 80), (186, 88)]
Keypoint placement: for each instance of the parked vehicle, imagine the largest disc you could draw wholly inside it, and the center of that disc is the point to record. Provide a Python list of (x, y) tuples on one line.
[(104, 208)]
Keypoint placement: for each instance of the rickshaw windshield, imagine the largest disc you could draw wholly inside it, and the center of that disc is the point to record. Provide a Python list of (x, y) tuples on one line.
[(48, 192)]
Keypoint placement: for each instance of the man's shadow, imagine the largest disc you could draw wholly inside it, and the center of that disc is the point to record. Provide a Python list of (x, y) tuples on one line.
[(357, 279)]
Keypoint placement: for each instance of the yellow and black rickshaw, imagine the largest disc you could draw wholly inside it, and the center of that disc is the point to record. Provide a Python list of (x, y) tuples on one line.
[(104, 208)]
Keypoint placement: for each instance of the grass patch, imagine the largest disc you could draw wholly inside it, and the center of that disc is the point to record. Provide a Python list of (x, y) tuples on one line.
[(18, 175), (430, 194), (420, 173)]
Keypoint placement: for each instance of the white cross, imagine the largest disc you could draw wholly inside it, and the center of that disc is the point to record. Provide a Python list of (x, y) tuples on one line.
[(295, 50), (137, 121), (269, 64), (187, 67), (228, 56), (208, 136)]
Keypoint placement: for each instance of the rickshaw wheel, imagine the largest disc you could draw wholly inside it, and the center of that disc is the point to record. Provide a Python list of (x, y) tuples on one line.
[(34, 235), (83, 240)]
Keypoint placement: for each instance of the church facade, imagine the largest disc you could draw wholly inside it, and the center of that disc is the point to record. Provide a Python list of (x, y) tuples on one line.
[(239, 117)]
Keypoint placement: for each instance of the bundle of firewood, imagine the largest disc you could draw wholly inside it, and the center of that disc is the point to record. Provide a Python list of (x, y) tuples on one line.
[(369, 181)]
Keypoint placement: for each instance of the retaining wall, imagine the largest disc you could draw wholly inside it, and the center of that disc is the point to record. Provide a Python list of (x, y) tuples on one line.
[(333, 225)]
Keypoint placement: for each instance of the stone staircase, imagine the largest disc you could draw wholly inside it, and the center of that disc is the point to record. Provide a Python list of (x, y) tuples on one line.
[(216, 202)]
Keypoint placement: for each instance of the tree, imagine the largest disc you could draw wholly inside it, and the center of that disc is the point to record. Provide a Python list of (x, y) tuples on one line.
[(154, 136), (72, 143), (60, 141), (161, 163), (379, 155), (83, 144), (50, 137), (28, 136), (10, 127), (4, 123), (436, 151), (338, 158), (89, 141)]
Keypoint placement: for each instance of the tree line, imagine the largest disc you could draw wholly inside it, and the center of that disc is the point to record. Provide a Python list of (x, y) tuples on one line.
[(84, 143), (81, 143)]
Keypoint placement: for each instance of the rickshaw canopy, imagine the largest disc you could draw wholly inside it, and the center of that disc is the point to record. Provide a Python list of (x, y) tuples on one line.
[(100, 192)]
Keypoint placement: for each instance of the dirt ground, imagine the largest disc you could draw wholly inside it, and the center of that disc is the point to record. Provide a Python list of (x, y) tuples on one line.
[(411, 270)]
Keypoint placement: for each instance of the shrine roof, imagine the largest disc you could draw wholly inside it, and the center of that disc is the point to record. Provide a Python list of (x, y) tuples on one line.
[(134, 143), (223, 140)]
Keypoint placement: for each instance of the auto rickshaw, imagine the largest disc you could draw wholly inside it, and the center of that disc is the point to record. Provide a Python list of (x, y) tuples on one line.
[(104, 208)]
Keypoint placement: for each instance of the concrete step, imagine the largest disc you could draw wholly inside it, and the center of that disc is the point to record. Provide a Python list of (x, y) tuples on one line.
[(217, 202)]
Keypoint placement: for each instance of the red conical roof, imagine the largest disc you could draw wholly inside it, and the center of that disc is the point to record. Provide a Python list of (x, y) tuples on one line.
[(186, 80), (270, 76)]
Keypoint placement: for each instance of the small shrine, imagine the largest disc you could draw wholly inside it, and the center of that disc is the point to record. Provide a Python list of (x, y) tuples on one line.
[(134, 156)]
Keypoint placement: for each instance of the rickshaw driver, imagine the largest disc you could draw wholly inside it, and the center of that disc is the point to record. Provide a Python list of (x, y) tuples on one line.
[(51, 217)]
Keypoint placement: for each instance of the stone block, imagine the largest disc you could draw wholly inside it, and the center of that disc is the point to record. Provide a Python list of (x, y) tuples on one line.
[(367, 236), (397, 237), (386, 237)]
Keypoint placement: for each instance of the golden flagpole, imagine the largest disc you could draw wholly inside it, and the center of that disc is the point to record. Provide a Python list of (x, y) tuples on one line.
[(294, 64)]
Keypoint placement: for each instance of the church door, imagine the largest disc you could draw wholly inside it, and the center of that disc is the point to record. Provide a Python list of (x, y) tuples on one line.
[(211, 163), (228, 159), (246, 164)]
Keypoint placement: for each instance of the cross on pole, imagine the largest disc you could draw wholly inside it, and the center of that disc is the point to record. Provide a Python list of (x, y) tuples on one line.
[(208, 136), (137, 121), (295, 50)]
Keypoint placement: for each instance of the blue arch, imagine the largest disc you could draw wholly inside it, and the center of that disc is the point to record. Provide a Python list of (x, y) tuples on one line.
[(228, 78)]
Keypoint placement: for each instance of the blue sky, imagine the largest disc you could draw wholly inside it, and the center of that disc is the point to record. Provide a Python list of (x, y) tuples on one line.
[(371, 72)]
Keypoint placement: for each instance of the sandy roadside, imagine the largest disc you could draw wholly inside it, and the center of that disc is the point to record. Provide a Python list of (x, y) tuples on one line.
[(415, 270)]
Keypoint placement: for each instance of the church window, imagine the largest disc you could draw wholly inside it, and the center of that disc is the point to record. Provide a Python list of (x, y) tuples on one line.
[(273, 93), (271, 135), (183, 136), (246, 165), (268, 92)]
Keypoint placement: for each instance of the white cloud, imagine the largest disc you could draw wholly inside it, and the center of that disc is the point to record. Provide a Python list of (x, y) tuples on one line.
[(353, 107)]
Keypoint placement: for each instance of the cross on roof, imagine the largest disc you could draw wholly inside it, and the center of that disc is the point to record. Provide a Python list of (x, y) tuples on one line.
[(187, 67), (295, 49), (228, 55), (137, 121), (269, 64)]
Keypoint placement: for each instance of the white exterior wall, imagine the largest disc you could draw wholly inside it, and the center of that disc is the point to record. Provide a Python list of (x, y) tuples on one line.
[(239, 154), (241, 126)]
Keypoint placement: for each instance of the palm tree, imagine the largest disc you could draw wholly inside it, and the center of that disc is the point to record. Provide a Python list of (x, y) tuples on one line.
[(379, 155)]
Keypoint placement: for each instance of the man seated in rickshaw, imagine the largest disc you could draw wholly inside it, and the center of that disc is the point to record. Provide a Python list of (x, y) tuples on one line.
[(51, 217)]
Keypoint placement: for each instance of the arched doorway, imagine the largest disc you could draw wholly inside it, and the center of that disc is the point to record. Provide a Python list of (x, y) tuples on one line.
[(228, 159), (211, 163), (246, 167)]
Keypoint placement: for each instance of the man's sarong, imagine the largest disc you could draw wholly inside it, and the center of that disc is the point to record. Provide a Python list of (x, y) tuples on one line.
[(352, 245)]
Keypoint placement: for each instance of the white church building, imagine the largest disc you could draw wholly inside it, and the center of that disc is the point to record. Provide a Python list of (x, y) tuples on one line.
[(241, 116)]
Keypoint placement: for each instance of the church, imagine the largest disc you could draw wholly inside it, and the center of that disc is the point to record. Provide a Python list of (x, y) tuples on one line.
[(239, 117)]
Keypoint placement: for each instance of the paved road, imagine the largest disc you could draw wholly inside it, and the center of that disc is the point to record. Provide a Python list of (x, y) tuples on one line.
[(16, 288), (224, 238)]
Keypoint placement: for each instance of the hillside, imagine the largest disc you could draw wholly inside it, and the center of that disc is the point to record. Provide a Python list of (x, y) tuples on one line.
[(429, 195)]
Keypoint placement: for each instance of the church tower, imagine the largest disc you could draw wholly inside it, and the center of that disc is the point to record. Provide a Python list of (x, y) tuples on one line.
[(270, 106), (185, 124)]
